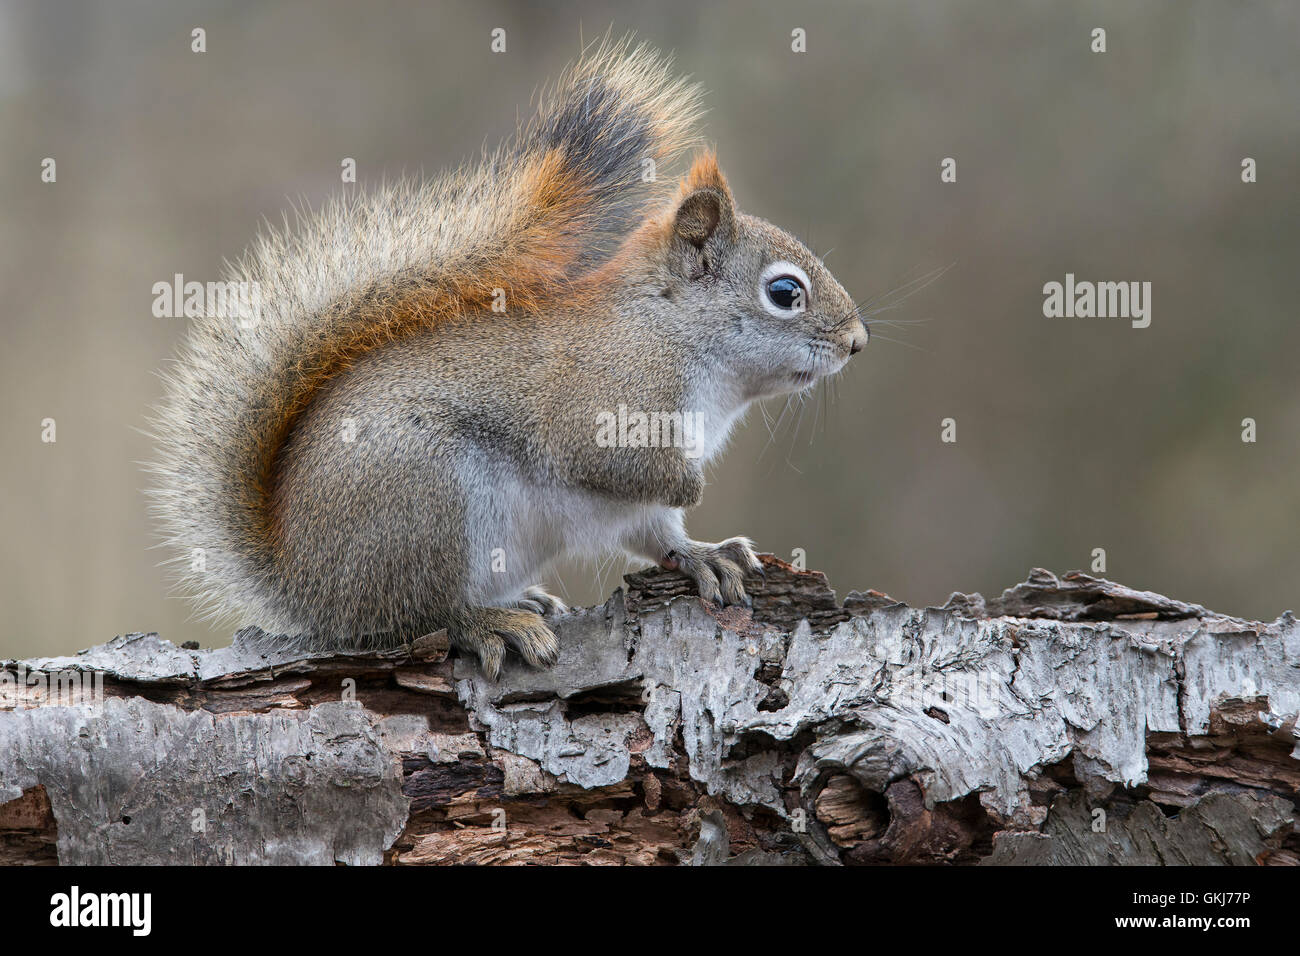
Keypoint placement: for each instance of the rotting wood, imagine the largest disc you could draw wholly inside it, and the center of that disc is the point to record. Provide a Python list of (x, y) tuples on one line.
[(1068, 720)]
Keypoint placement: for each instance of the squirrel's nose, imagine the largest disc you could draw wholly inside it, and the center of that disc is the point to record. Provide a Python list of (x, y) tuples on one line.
[(860, 337)]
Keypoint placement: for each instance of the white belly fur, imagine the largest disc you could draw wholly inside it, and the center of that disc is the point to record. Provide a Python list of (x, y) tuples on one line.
[(533, 526), (517, 531)]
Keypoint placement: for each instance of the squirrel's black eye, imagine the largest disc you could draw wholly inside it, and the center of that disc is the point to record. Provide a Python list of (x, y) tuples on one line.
[(787, 292)]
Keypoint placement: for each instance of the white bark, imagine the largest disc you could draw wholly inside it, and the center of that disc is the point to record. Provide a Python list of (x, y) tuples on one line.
[(1069, 720)]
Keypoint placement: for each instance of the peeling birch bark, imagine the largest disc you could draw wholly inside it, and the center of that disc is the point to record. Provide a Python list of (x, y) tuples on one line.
[(1071, 720)]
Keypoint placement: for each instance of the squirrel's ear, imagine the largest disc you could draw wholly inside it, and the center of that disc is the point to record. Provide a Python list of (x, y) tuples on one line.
[(704, 223)]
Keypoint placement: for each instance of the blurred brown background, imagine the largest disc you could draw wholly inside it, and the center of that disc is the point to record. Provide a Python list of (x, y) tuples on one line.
[(1073, 434)]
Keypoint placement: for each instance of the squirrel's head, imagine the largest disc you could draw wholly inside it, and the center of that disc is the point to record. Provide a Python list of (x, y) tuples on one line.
[(766, 304)]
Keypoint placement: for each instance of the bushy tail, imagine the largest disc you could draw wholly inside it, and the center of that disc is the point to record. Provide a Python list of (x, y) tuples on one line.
[(530, 220)]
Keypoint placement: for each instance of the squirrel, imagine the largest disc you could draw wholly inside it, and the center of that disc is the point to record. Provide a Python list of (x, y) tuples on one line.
[(406, 434)]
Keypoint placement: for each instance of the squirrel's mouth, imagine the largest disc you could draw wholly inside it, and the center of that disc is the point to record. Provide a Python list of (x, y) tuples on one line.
[(824, 362)]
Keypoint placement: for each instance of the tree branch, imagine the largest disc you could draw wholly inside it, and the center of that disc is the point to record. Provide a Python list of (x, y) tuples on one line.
[(1070, 720)]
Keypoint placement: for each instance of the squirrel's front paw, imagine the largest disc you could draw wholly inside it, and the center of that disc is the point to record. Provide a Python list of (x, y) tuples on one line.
[(718, 569)]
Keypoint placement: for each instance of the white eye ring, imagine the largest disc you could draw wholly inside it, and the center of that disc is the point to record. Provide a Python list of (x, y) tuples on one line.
[(775, 271)]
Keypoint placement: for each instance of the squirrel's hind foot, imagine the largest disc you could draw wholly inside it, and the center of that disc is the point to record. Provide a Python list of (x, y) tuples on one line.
[(541, 602), (487, 630)]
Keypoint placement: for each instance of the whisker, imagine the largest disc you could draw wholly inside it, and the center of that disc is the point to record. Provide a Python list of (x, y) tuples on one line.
[(901, 323), (908, 345), (894, 297)]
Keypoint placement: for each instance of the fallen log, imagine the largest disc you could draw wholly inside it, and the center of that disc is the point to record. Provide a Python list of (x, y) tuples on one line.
[(1071, 720)]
